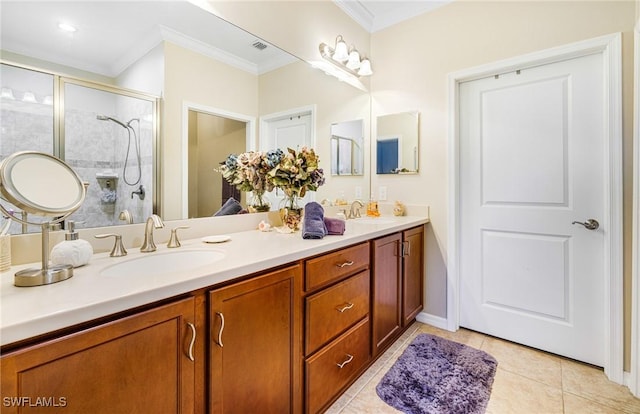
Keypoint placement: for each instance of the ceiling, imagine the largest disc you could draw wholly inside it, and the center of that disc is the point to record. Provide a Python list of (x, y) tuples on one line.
[(376, 15), (112, 35)]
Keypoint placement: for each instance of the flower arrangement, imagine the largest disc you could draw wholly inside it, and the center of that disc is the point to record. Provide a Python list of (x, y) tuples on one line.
[(297, 173), (248, 172), (293, 172)]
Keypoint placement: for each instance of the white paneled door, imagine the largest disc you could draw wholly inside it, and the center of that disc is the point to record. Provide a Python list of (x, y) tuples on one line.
[(531, 164)]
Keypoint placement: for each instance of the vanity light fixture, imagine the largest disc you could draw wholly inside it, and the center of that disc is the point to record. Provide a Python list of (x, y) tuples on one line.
[(29, 97), (7, 93), (347, 60)]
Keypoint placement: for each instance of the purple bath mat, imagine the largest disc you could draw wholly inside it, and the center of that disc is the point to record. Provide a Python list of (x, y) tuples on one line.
[(437, 376)]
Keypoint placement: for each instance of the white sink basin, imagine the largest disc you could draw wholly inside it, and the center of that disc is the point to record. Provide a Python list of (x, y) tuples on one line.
[(162, 263)]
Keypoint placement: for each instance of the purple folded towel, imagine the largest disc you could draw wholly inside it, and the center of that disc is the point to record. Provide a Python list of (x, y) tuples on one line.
[(335, 226), (312, 224)]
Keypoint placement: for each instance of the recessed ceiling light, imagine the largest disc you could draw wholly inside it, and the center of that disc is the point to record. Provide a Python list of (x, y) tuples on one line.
[(67, 27)]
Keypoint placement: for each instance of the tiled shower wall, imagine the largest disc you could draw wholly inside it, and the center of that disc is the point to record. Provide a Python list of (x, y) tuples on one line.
[(100, 147), (91, 147)]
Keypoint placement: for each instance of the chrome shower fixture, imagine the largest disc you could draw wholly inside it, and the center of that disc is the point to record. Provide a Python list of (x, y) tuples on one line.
[(136, 146), (108, 118)]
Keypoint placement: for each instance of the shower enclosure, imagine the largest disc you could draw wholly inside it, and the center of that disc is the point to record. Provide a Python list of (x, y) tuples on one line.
[(106, 134)]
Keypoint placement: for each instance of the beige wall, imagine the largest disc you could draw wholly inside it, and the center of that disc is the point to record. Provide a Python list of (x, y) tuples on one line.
[(195, 78), (295, 26), (411, 61), (467, 34), (298, 85)]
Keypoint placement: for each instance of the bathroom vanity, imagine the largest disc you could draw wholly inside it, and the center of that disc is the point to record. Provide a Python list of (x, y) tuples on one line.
[(275, 324)]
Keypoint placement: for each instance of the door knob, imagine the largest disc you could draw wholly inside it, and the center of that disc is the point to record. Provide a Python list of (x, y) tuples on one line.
[(591, 224)]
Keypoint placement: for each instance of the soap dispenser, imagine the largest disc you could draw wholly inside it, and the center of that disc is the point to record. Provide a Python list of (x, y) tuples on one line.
[(372, 207), (73, 250)]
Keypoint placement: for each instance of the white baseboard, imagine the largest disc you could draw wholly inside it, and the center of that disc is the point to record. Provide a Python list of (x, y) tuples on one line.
[(433, 320)]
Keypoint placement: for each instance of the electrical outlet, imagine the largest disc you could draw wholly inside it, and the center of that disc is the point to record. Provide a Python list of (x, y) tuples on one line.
[(382, 193), (358, 191)]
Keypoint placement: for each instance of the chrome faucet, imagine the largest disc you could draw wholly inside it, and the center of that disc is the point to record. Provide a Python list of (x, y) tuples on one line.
[(354, 212), (154, 221)]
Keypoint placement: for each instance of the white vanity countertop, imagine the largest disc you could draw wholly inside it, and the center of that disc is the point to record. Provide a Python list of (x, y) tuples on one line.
[(29, 311)]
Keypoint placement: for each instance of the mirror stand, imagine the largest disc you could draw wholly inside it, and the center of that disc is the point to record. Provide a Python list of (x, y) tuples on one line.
[(47, 274)]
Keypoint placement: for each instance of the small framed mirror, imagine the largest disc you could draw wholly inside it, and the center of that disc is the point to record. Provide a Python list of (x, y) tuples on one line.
[(397, 143), (347, 148)]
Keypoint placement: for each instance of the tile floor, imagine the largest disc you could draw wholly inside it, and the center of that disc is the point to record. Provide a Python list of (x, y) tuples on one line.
[(527, 381)]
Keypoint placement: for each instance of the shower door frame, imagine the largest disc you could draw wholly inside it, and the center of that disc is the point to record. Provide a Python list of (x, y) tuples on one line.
[(58, 149)]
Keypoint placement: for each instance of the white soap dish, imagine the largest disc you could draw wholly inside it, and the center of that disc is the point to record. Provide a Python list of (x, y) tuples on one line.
[(216, 239)]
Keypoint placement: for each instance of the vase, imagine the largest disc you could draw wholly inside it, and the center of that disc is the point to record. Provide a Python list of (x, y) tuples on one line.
[(291, 212), (258, 203)]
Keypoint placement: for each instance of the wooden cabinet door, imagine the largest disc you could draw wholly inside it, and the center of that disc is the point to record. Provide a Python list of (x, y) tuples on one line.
[(255, 345), (387, 271), (138, 364), (412, 274)]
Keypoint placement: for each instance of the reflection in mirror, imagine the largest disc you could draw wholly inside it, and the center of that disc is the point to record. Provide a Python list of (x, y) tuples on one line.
[(397, 143), (225, 67), (347, 148), (211, 139), (109, 138), (106, 134)]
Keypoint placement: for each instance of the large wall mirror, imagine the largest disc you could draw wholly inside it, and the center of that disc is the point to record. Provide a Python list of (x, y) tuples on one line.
[(184, 54), (397, 143)]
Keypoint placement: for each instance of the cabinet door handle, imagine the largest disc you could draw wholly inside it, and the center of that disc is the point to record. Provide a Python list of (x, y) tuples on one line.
[(221, 329), (349, 263), (406, 248), (193, 340), (344, 308), (349, 359)]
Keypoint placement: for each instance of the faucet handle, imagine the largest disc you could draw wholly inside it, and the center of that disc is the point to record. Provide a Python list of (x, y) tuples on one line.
[(173, 240), (118, 248)]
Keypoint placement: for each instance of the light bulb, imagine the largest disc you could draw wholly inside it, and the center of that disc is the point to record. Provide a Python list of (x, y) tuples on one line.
[(354, 60), (341, 53), (365, 68)]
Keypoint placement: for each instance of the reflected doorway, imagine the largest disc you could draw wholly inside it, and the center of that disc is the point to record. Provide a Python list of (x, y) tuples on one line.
[(211, 138)]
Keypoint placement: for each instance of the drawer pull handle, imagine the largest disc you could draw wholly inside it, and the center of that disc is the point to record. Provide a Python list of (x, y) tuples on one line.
[(193, 340), (349, 359), (349, 263), (344, 308), (221, 329)]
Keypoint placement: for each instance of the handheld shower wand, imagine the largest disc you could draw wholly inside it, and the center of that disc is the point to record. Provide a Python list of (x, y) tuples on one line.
[(129, 129)]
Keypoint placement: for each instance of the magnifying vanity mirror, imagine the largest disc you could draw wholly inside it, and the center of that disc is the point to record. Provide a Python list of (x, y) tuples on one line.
[(397, 143), (347, 148), (43, 185)]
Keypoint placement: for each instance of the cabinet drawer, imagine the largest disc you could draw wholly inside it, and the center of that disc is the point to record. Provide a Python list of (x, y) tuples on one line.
[(335, 309), (324, 375), (333, 266)]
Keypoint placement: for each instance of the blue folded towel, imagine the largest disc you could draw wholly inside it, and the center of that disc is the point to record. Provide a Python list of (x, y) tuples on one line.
[(313, 221), (230, 207)]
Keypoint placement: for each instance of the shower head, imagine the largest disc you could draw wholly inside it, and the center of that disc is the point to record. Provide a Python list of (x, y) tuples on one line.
[(108, 118)]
